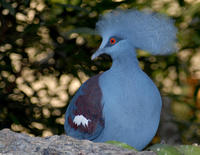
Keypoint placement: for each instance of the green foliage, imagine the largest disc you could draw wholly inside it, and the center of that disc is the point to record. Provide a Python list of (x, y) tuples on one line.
[(189, 149), (120, 144), (163, 149), (45, 50)]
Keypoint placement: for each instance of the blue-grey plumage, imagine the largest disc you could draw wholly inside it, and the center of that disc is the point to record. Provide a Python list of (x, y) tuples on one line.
[(127, 102)]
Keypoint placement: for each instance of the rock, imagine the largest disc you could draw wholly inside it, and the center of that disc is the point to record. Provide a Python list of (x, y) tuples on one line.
[(12, 143)]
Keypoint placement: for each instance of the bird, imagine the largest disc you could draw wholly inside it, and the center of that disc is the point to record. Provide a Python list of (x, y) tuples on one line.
[(122, 104)]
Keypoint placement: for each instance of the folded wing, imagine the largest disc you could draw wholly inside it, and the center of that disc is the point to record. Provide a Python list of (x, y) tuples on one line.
[(84, 116)]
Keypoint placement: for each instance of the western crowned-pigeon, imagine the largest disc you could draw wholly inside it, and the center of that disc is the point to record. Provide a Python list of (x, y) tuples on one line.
[(122, 103)]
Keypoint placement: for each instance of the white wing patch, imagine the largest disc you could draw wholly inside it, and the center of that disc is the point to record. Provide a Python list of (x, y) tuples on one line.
[(80, 119)]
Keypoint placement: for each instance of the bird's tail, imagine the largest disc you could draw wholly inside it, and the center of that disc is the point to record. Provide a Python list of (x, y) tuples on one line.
[(148, 31)]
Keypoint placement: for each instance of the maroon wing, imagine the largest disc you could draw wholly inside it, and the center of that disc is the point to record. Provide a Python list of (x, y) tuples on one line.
[(87, 103)]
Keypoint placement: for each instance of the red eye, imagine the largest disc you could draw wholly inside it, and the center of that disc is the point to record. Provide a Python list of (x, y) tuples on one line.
[(112, 41)]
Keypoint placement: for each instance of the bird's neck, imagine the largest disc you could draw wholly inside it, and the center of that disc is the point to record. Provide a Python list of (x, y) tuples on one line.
[(126, 63)]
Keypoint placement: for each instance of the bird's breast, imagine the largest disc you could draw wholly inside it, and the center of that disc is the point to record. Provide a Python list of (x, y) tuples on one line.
[(134, 94)]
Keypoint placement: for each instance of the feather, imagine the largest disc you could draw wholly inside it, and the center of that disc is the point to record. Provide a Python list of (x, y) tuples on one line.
[(84, 116), (148, 31)]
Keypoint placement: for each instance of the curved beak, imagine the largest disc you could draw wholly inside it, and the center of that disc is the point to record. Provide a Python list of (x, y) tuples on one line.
[(97, 53)]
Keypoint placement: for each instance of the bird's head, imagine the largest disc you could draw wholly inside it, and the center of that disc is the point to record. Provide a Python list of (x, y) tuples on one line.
[(114, 45), (123, 31)]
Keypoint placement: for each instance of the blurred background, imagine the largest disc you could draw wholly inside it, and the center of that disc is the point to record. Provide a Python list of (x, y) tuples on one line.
[(45, 50)]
